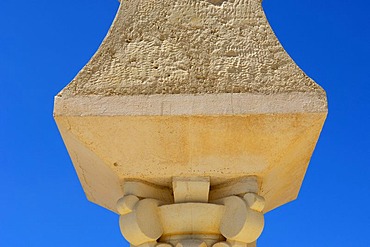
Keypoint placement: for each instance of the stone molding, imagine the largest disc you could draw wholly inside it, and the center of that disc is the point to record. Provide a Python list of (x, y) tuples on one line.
[(187, 104)]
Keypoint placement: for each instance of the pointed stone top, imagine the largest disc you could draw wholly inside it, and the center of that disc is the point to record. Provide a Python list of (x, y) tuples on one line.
[(191, 47)]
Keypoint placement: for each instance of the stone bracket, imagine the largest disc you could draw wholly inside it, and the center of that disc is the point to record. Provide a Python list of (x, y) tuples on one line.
[(194, 189)]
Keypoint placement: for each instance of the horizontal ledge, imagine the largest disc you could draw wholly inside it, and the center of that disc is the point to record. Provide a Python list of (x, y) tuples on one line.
[(186, 104)]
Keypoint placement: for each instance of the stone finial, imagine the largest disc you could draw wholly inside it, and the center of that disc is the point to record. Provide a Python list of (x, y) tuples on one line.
[(183, 90)]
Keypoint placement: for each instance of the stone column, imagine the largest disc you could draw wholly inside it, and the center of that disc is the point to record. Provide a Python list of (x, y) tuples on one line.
[(191, 121)]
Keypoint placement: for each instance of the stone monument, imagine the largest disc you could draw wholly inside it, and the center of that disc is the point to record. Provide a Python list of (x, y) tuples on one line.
[(191, 121)]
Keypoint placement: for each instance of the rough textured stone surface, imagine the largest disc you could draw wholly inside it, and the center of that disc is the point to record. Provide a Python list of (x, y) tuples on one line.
[(190, 47)]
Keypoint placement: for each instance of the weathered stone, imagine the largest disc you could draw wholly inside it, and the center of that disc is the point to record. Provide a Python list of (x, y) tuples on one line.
[(190, 47)]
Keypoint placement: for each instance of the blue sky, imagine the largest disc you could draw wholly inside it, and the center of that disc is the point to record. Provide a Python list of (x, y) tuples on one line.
[(43, 44)]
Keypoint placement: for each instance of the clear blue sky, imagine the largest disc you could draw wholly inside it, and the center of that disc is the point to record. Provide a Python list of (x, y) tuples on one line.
[(43, 44)]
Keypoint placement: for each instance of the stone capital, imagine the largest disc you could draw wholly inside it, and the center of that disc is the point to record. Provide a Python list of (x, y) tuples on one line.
[(234, 219)]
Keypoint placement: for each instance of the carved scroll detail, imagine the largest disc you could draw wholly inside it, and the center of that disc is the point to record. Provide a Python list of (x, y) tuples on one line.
[(192, 221)]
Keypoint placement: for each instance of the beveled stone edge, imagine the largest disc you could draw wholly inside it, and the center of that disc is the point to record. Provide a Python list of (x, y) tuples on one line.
[(190, 105)]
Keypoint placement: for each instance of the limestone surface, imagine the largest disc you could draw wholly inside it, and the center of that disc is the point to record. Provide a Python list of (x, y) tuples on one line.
[(190, 47)]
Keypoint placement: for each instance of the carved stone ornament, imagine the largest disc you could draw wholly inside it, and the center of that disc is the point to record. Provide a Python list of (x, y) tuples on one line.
[(191, 218)]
